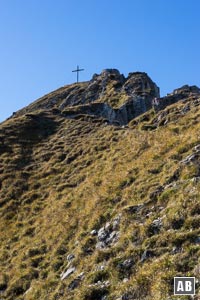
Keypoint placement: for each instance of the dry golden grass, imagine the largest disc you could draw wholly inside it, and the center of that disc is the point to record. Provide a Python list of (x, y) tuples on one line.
[(62, 178)]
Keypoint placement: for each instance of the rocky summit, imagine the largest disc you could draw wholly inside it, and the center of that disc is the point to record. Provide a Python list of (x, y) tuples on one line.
[(109, 95), (100, 192)]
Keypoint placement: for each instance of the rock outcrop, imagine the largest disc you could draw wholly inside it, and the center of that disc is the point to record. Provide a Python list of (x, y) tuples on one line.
[(108, 95), (181, 93)]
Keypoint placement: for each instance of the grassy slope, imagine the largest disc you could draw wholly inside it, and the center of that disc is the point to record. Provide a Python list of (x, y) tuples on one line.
[(62, 178)]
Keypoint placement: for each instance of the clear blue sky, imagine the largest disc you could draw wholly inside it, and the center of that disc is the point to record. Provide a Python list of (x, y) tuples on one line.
[(42, 41)]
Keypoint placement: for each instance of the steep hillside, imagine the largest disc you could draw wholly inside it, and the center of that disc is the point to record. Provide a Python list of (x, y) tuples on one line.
[(99, 195)]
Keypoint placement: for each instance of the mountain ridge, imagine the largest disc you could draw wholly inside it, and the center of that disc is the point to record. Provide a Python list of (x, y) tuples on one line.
[(110, 95), (94, 209)]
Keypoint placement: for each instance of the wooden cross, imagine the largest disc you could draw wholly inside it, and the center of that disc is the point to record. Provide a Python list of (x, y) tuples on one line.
[(77, 71)]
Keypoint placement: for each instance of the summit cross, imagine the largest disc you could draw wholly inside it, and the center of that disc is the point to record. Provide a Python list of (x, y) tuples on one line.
[(77, 71)]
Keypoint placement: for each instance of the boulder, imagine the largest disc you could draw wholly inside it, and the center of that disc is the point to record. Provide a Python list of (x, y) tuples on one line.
[(140, 84), (108, 234), (67, 273), (70, 257)]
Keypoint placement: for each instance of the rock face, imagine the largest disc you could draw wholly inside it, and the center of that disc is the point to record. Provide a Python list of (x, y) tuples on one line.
[(186, 89), (140, 84), (181, 93), (108, 95)]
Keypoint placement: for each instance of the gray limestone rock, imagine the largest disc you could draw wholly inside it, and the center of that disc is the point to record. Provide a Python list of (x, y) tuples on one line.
[(139, 83), (103, 234), (176, 250), (70, 257), (108, 234), (76, 282), (67, 273), (146, 254), (93, 232), (100, 268), (197, 148), (128, 263), (157, 222), (116, 222), (186, 89), (137, 92), (100, 245), (101, 284), (190, 158), (113, 237), (195, 179)]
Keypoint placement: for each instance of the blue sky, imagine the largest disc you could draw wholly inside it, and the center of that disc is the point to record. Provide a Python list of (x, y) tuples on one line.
[(42, 41)]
